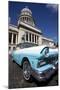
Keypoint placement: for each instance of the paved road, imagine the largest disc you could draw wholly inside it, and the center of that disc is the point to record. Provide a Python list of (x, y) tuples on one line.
[(16, 78)]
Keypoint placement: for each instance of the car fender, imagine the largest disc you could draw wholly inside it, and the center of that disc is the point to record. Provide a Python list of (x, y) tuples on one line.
[(32, 60)]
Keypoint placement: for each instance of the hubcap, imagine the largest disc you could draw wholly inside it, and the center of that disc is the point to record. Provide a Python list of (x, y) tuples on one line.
[(26, 70)]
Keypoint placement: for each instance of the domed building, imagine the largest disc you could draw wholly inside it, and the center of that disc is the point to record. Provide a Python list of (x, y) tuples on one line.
[(26, 32), (26, 17)]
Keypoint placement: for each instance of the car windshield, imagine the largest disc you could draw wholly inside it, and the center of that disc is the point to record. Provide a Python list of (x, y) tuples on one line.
[(45, 50), (49, 49)]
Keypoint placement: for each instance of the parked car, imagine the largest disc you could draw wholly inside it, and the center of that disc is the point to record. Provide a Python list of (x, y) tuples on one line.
[(34, 63)]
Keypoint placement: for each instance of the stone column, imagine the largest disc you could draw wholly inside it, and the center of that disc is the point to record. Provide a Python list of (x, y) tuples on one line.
[(34, 38), (16, 39), (31, 37), (40, 40), (37, 39), (25, 37), (28, 37)]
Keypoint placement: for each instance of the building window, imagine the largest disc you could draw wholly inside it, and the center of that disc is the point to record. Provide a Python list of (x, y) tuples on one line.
[(27, 19), (14, 38), (20, 19), (13, 48), (23, 37), (26, 36), (9, 48), (35, 38), (10, 37), (23, 19), (30, 37)]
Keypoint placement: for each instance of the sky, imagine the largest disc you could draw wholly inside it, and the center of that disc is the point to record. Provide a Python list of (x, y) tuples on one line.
[(45, 16)]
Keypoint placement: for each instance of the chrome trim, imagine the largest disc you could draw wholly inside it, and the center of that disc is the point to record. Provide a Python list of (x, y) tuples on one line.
[(43, 76)]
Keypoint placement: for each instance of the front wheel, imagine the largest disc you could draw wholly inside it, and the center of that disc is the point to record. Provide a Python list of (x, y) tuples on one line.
[(26, 70)]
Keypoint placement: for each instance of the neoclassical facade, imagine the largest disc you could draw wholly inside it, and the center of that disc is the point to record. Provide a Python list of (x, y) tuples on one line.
[(26, 31)]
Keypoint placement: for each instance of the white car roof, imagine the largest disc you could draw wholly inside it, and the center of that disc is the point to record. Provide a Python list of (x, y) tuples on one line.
[(35, 49)]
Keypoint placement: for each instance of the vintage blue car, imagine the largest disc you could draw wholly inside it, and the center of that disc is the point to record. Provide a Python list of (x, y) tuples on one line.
[(35, 61)]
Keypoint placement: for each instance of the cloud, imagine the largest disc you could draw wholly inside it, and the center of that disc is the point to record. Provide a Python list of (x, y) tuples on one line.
[(53, 7)]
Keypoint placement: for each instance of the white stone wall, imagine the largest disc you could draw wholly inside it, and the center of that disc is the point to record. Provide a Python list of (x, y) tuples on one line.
[(20, 34), (12, 45), (48, 42), (40, 40)]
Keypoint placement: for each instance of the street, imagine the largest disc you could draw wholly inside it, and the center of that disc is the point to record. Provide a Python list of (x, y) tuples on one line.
[(16, 78)]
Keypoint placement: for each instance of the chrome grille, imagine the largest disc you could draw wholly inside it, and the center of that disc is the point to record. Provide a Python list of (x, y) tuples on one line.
[(52, 59)]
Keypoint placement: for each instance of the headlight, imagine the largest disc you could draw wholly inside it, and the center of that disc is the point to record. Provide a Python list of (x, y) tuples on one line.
[(41, 63)]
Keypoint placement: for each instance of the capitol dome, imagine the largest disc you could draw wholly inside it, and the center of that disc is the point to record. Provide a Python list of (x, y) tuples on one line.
[(26, 9), (26, 16)]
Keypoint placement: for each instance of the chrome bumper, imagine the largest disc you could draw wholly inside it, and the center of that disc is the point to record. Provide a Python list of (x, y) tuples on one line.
[(44, 75)]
